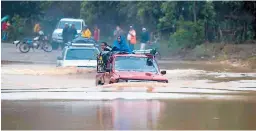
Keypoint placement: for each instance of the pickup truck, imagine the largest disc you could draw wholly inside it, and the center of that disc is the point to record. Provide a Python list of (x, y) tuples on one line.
[(123, 67), (57, 33)]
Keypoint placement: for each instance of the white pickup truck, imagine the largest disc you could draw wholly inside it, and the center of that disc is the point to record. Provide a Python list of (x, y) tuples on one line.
[(78, 55), (57, 33)]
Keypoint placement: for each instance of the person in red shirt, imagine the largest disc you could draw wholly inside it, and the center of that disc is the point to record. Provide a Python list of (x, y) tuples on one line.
[(96, 33), (4, 30)]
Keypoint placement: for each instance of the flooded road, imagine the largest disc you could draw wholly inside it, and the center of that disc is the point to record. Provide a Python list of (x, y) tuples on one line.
[(130, 114), (37, 95), (15, 76)]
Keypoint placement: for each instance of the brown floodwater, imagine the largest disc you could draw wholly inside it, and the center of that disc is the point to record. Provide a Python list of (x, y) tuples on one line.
[(129, 114)]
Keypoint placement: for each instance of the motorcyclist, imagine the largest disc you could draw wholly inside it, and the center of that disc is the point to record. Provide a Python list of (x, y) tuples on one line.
[(38, 31), (37, 28)]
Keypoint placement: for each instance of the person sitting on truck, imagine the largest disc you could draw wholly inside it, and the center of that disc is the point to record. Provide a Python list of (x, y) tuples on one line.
[(104, 54), (105, 46), (86, 32), (121, 45)]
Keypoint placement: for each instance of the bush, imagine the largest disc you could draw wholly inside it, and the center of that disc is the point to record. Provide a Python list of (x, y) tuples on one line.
[(16, 29), (188, 35)]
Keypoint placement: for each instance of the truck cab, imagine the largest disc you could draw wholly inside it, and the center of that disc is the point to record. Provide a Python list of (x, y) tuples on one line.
[(130, 68), (78, 55), (57, 33)]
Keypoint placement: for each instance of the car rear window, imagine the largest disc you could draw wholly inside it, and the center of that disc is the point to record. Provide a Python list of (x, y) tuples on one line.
[(132, 63), (81, 54)]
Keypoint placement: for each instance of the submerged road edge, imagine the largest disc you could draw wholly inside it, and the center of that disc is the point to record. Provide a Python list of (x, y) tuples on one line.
[(114, 95)]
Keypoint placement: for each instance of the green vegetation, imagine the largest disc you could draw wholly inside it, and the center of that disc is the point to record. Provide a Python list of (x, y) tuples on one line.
[(184, 24)]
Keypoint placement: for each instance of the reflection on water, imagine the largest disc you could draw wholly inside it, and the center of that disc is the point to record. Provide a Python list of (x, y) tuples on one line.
[(129, 114)]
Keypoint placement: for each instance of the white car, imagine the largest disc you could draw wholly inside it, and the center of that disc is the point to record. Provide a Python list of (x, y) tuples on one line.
[(57, 33), (78, 56)]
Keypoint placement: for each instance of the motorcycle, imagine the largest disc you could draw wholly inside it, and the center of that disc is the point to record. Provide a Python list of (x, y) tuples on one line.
[(39, 42)]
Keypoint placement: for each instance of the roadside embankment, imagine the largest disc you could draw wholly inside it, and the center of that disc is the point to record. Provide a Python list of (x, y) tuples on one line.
[(236, 55)]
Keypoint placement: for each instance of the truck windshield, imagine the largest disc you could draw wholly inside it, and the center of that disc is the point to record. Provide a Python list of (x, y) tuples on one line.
[(131, 63), (78, 24), (81, 54)]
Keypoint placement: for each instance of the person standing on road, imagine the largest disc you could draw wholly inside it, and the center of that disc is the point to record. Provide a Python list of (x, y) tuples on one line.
[(4, 30), (118, 32), (144, 38), (72, 32), (65, 35), (131, 37), (96, 33)]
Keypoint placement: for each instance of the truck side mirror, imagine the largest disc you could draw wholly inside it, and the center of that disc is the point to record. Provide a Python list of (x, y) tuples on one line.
[(163, 72)]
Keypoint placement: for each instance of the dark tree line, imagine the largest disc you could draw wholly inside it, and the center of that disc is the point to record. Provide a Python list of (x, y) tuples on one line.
[(185, 23)]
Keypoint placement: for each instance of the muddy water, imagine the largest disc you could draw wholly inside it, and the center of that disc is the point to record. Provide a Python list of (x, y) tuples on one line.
[(15, 76), (191, 113), (125, 114)]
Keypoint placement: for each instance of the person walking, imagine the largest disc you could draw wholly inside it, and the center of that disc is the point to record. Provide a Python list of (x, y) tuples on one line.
[(96, 33), (131, 37), (144, 38)]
